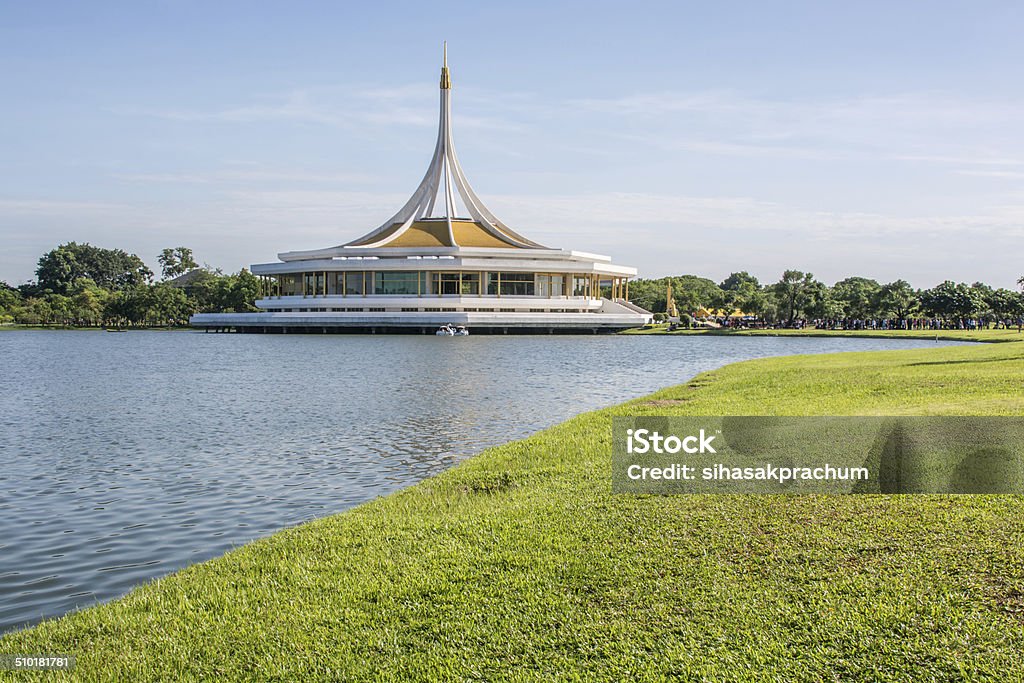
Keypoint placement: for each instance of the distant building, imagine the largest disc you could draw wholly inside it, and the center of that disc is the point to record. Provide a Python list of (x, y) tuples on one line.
[(438, 262), (188, 280)]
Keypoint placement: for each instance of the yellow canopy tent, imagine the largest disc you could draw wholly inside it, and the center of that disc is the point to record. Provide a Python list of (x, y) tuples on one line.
[(718, 313)]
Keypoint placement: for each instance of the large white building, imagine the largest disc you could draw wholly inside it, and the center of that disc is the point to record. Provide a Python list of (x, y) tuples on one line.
[(444, 258)]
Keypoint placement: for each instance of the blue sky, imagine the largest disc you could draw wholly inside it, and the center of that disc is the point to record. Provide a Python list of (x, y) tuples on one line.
[(881, 139)]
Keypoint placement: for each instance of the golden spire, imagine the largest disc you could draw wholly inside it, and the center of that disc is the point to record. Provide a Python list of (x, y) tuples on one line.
[(446, 81)]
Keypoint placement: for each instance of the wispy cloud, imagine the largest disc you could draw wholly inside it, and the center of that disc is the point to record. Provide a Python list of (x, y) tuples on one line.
[(57, 207), (980, 158), (236, 177), (331, 106), (614, 212), (929, 127), (1008, 175), (708, 235), (249, 213)]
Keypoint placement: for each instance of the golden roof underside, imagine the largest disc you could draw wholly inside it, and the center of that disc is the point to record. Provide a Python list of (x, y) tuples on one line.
[(435, 234)]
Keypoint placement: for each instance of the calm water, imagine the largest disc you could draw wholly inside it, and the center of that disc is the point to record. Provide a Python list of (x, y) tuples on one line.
[(126, 456)]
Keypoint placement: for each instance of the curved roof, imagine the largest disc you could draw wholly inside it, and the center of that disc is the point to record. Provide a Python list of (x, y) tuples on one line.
[(417, 225), (437, 233)]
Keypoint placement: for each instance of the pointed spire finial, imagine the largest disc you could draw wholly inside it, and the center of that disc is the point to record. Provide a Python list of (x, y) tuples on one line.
[(446, 81)]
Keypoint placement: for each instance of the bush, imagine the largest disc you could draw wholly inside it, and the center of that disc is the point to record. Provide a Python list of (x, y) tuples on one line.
[(659, 317), (686, 320)]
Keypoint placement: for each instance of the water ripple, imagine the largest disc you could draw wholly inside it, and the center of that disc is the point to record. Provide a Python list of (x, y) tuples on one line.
[(126, 457)]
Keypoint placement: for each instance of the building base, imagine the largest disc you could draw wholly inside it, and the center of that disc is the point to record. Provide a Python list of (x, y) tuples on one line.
[(419, 322)]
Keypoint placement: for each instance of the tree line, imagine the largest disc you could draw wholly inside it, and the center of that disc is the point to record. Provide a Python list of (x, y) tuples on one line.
[(84, 285), (798, 298), (87, 286)]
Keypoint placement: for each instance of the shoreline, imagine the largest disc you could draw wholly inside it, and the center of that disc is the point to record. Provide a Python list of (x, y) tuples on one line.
[(75, 328), (482, 557), (983, 336), (986, 335)]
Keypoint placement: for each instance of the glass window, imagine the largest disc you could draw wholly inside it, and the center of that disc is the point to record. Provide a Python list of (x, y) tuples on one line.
[(517, 284), (511, 284), (290, 285), (354, 282), (395, 283), (471, 284), (444, 283), (516, 277), (549, 285), (580, 285)]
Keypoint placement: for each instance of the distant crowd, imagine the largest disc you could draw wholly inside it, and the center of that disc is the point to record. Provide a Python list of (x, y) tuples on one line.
[(918, 324), (882, 323)]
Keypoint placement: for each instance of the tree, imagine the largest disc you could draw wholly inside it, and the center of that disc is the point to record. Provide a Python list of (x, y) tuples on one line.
[(819, 302), (690, 292), (755, 302), (1017, 309), (951, 300), (158, 304), (897, 299), (35, 312), (1003, 304), (724, 299), (742, 291), (176, 261), (112, 269), (649, 294), (10, 302), (242, 291), (856, 297), (791, 294), (739, 281), (88, 302), (167, 305)]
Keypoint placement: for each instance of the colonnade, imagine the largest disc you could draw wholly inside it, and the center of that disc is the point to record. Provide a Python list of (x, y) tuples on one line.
[(317, 283)]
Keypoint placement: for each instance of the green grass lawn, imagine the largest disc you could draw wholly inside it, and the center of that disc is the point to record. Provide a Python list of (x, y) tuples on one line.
[(952, 335), (519, 564)]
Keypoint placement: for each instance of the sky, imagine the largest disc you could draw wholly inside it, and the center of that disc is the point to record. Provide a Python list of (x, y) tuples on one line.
[(878, 139)]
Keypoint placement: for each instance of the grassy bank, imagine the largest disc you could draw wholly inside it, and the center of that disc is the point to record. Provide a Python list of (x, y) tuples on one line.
[(520, 564), (950, 335)]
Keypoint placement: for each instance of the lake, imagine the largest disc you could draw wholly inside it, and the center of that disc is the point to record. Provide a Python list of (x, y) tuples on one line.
[(128, 456)]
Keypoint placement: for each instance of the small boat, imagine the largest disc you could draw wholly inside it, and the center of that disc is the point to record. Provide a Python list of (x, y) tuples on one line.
[(451, 331)]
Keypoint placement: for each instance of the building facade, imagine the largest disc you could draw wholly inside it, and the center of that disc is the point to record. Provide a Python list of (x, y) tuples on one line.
[(443, 258)]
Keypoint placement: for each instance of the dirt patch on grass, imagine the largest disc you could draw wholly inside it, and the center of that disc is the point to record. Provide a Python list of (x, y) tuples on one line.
[(1012, 603)]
